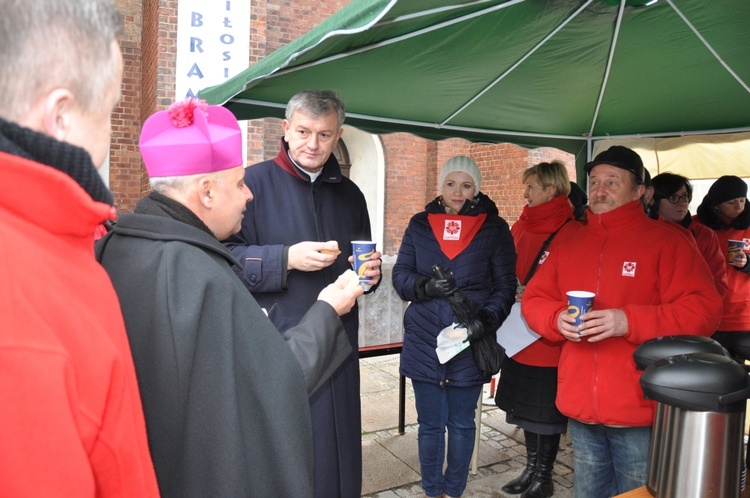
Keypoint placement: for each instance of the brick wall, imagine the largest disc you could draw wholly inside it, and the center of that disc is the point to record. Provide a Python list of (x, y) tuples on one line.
[(288, 20), (410, 177), (149, 58), (125, 160)]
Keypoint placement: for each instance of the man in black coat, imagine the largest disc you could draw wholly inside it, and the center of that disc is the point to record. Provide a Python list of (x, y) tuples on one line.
[(225, 396), (304, 213)]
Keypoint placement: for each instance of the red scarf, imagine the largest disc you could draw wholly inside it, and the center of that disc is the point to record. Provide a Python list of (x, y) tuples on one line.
[(455, 232)]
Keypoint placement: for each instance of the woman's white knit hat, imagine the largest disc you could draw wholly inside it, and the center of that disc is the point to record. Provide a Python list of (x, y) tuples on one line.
[(463, 164)]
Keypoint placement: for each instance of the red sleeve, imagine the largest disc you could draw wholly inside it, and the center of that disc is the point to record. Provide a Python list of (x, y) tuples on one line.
[(708, 244), (42, 451), (690, 303)]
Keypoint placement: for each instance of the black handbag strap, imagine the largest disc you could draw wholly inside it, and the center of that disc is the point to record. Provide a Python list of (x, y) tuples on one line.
[(545, 245)]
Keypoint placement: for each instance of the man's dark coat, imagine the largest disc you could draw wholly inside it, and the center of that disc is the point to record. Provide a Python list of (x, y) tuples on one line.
[(287, 208)]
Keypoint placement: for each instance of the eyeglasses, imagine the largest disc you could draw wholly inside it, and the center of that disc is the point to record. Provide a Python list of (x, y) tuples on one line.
[(676, 199)]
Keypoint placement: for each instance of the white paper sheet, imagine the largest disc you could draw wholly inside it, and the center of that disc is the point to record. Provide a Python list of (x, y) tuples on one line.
[(514, 335), (450, 342)]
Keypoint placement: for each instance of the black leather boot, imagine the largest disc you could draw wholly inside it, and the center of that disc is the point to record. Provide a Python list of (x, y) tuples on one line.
[(522, 482), (541, 483)]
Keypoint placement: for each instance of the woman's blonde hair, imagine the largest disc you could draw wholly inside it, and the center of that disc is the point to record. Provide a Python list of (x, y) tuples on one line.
[(553, 173)]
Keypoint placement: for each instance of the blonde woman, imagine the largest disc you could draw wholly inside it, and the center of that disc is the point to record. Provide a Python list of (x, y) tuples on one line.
[(528, 380), (461, 231)]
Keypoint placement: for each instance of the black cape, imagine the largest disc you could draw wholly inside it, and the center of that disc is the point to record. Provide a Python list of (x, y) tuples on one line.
[(225, 398)]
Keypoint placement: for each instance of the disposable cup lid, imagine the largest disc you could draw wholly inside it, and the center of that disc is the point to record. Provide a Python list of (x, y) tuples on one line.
[(580, 294)]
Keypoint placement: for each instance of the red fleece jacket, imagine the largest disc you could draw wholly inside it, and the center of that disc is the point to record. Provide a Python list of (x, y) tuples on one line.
[(736, 312), (70, 411), (641, 266)]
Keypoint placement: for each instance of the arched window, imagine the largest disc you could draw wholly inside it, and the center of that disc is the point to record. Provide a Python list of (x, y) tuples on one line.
[(342, 156)]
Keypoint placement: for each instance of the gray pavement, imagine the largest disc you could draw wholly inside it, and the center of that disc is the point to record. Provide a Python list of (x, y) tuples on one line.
[(390, 461)]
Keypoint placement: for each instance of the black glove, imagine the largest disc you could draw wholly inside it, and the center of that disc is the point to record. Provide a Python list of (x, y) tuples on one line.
[(484, 323), (462, 307), (440, 287), (474, 329)]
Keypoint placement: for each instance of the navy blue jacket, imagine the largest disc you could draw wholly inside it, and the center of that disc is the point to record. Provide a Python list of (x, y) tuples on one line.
[(287, 208), (484, 273)]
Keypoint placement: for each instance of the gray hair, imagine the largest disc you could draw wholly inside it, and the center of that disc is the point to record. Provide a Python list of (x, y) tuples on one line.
[(49, 44), (165, 184), (317, 103)]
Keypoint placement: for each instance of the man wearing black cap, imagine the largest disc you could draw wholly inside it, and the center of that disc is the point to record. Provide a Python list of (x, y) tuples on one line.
[(648, 282)]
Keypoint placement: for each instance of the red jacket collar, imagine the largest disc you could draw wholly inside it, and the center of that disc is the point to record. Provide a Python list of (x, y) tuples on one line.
[(622, 217), (546, 217), (49, 198)]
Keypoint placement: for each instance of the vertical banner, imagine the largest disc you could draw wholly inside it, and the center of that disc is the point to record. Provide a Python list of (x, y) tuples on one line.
[(213, 44)]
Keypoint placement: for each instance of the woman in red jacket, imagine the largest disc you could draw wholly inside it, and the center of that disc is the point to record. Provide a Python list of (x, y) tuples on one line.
[(672, 195), (528, 381), (725, 210)]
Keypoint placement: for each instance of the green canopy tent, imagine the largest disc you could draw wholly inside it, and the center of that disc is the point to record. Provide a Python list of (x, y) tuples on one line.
[(553, 73)]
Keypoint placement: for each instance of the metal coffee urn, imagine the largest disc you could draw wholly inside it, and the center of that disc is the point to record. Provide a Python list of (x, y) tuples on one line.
[(742, 350), (705, 396), (645, 355)]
